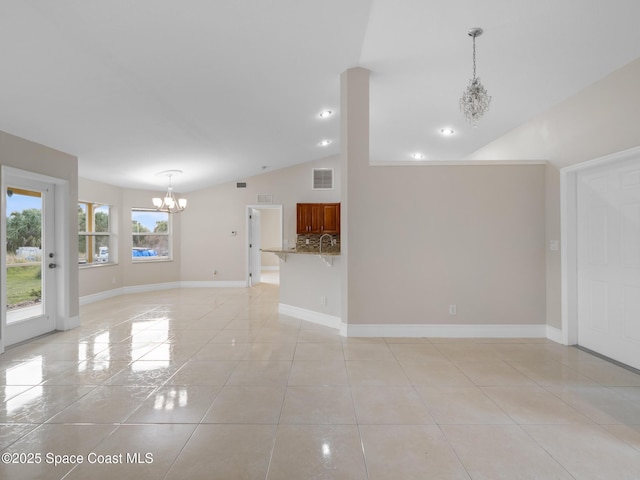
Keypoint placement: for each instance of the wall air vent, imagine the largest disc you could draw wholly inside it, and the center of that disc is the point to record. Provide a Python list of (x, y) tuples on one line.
[(241, 184), (323, 178), (265, 198)]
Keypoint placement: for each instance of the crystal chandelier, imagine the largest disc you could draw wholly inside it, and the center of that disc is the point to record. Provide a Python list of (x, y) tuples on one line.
[(475, 100), (170, 204)]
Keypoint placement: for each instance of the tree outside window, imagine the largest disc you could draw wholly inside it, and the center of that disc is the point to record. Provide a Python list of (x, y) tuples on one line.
[(151, 235), (94, 239)]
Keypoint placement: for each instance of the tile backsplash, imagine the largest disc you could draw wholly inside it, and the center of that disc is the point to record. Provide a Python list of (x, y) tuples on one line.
[(314, 243)]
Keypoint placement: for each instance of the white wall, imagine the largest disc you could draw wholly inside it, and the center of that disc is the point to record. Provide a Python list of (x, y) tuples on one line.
[(552, 234)]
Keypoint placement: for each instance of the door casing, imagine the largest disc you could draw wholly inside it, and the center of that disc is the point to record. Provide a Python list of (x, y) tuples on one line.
[(248, 230), (569, 237), (62, 319)]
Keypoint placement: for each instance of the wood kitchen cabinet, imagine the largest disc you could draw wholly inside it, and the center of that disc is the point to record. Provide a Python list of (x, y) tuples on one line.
[(318, 218), (330, 218)]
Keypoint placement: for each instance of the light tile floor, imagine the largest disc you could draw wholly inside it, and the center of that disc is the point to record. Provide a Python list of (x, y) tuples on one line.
[(215, 384)]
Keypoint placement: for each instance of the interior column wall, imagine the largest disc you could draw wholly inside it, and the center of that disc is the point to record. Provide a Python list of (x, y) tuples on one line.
[(423, 238)]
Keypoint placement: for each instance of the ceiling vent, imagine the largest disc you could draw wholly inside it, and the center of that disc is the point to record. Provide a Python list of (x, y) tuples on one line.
[(323, 178), (241, 184), (265, 198)]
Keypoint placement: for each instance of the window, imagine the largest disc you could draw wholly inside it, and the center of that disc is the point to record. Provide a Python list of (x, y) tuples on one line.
[(94, 234), (151, 235)]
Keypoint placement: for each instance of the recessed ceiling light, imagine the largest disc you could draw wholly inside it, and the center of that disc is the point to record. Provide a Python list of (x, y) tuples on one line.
[(324, 143), (325, 114), (418, 156), (447, 132)]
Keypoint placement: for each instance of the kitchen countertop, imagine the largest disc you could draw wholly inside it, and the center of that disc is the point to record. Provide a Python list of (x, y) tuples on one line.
[(293, 251)]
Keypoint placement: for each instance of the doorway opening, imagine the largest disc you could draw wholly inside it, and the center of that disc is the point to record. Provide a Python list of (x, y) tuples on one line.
[(264, 230)]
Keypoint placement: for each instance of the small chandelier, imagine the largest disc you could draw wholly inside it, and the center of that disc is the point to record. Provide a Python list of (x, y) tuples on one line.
[(475, 100), (170, 204)]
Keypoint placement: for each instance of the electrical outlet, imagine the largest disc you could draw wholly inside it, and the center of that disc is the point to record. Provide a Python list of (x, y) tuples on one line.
[(453, 310), (323, 301), (306, 241)]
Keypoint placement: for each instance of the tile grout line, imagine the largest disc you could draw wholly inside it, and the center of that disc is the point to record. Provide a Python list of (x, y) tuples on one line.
[(355, 412), (284, 398)]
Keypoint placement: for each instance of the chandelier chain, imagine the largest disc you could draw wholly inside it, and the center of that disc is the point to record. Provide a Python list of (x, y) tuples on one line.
[(474, 58)]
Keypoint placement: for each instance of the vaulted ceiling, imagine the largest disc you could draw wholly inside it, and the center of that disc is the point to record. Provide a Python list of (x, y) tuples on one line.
[(226, 89)]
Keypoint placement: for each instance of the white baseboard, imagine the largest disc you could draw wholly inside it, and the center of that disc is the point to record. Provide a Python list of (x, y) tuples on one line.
[(127, 290), (415, 331), (152, 287), (67, 323), (554, 334), (444, 331), (214, 284), (352, 330), (96, 297), (310, 316)]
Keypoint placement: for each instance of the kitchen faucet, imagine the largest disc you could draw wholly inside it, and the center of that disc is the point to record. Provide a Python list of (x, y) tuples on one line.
[(330, 240)]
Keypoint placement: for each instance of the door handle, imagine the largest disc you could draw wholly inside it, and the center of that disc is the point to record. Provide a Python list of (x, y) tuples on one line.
[(53, 265)]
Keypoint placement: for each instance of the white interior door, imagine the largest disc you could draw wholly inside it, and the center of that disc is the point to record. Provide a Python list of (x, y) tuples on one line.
[(608, 260), (255, 256), (29, 260)]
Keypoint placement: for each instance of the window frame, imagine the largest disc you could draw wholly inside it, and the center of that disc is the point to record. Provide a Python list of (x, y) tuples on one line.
[(168, 234), (91, 234)]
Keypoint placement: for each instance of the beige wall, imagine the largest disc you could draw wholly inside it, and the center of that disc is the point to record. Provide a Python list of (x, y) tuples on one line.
[(304, 279), (25, 155), (600, 120), (125, 273), (143, 273), (97, 279), (469, 236), (213, 213), (416, 239), (422, 238), (270, 235)]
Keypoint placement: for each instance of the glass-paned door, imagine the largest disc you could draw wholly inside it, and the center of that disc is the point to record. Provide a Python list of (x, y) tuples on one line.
[(30, 260)]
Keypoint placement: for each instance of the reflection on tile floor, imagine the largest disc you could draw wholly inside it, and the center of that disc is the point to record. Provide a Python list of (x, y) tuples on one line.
[(214, 383)]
